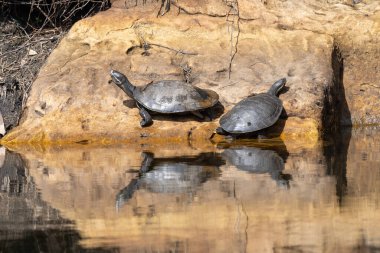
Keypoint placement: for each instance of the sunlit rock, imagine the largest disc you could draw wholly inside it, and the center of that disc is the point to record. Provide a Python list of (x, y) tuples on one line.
[(328, 51)]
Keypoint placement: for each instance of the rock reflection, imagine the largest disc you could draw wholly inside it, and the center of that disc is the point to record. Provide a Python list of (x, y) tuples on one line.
[(336, 157), (180, 175), (27, 223)]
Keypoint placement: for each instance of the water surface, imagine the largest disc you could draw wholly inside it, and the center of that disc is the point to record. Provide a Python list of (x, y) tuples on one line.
[(238, 197)]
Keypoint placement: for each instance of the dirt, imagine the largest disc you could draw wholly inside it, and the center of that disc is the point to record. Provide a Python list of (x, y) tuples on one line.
[(21, 56), (29, 31)]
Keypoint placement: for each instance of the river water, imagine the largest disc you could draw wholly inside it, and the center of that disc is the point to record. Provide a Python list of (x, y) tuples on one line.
[(238, 197)]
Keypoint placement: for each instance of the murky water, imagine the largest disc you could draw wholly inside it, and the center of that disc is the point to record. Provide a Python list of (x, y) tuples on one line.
[(240, 197)]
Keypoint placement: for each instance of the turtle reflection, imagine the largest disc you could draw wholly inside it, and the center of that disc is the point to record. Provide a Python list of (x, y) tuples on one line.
[(259, 161), (181, 175)]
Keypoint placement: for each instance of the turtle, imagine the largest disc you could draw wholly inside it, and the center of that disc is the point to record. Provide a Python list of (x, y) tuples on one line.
[(258, 161), (253, 113), (171, 175), (167, 97)]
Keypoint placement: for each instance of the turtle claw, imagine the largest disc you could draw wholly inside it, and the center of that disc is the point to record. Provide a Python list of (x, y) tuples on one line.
[(145, 123)]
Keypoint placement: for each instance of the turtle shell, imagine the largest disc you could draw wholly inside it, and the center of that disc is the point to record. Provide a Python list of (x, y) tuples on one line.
[(174, 96), (252, 114)]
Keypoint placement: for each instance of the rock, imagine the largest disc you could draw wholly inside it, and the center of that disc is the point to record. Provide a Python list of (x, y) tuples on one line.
[(31, 52), (234, 49)]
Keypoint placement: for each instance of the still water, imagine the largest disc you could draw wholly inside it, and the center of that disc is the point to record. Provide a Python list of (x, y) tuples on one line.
[(237, 197)]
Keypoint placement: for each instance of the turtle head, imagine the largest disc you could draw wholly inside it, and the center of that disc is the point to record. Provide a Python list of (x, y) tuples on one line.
[(122, 82), (277, 86)]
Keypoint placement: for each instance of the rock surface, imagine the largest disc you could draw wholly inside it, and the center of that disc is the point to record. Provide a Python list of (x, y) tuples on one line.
[(328, 51)]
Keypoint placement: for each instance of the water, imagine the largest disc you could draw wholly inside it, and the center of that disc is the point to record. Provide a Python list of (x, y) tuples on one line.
[(239, 197)]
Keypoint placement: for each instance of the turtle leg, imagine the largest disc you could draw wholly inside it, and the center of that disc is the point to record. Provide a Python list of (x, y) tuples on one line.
[(221, 131), (198, 114), (201, 115), (228, 136), (146, 118)]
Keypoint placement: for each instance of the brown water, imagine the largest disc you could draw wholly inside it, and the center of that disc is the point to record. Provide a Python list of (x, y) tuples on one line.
[(236, 198)]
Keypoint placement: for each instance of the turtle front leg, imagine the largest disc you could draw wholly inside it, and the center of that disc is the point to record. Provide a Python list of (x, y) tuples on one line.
[(146, 118), (221, 131)]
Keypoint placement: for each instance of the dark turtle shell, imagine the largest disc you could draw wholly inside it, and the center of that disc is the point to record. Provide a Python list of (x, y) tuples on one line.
[(174, 96), (252, 114)]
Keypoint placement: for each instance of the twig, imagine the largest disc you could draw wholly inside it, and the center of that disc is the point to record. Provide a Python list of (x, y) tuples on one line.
[(172, 49)]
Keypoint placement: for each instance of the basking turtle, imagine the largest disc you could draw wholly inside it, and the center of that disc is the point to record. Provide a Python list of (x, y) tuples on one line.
[(167, 96), (253, 113)]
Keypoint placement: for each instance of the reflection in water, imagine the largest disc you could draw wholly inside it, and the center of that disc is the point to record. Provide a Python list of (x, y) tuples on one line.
[(171, 175), (27, 223), (47, 241), (336, 157), (258, 161), (12, 172), (182, 200)]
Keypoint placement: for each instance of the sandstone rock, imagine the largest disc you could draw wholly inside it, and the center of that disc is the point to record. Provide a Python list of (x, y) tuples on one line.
[(232, 48)]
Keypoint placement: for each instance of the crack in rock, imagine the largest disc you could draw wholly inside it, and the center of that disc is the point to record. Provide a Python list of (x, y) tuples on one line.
[(180, 8), (125, 28), (234, 7)]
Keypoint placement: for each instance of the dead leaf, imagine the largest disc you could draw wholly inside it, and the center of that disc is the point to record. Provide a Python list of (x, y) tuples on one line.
[(32, 52)]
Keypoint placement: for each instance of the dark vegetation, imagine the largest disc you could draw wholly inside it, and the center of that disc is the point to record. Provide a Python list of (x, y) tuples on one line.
[(29, 31)]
